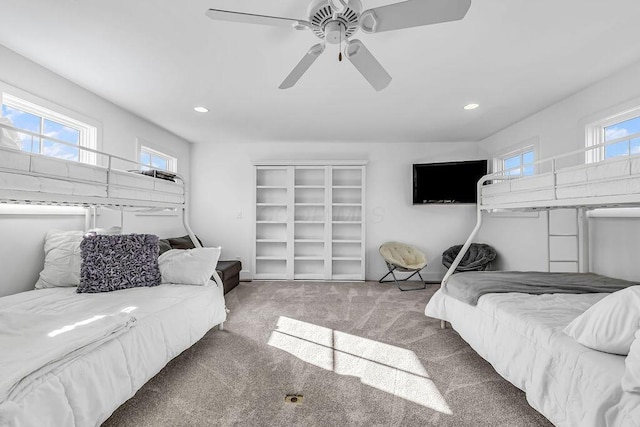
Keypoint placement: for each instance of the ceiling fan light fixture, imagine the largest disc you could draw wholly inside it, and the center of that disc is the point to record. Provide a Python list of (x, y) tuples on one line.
[(201, 109), (471, 106)]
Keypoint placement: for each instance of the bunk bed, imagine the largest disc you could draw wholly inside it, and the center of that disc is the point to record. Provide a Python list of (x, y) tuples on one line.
[(70, 359), (523, 332)]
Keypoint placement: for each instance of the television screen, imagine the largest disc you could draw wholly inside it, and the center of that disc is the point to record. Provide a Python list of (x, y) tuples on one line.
[(447, 182)]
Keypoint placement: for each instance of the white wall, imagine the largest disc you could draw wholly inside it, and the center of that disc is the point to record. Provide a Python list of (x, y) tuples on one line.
[(224, 190), (561, 128), (21, 254)]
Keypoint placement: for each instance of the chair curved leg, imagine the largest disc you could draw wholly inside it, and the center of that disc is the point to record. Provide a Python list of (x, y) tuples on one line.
[(424, 284), (391, 270), (382, 278), (397, 281)]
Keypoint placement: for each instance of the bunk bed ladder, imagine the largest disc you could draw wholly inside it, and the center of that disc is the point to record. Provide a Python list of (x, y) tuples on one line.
[(567, 240)]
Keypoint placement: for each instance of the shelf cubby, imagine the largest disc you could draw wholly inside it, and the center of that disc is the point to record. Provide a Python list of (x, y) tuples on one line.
[(346, 231), (340, 249), (308, 269), (271, 249), (271, 177), (309, 213), (309, 195), (271, 231), (270, 268), (309, 249), (345, 269), (346, 195), (309, 176), (271, 195), (347, 176), (271, 213), (347, 213), (308, 231)]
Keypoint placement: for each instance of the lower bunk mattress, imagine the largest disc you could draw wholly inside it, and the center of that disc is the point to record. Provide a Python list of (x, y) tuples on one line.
[(521, 336), (145, 328)]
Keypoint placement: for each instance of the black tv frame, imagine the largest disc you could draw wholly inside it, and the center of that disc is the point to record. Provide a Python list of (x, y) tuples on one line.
[(444, 201)]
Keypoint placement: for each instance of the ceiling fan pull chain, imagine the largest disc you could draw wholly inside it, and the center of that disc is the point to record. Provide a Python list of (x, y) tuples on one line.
[(340, 49)]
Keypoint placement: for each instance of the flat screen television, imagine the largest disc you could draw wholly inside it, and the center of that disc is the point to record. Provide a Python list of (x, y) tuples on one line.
[(447, 182)]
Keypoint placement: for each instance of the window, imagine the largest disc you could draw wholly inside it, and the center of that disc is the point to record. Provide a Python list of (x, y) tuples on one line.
[(619, 134), (153, 159), (517, 163), (48, 132)]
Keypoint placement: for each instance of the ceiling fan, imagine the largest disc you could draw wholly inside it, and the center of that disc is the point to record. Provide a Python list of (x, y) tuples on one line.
[(335, 21)]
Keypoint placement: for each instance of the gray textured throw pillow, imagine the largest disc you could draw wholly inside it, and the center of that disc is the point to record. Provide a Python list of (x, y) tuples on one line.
[(110, 263)]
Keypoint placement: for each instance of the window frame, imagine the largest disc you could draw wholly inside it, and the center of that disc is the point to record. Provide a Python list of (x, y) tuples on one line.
[(530, 145), (595, 134), (172, 160), (90, 130)]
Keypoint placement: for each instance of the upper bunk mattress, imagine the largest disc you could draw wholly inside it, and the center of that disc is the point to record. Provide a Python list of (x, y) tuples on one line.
[(35, 177), (521, 336), (85, 388), (611, 181)]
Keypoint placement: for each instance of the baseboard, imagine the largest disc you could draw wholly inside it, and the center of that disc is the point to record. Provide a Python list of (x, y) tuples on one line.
[(428, 277), (246, 276), (432, 277)]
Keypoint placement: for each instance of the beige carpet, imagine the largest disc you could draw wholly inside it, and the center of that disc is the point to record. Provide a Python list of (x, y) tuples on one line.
[(361, 354)]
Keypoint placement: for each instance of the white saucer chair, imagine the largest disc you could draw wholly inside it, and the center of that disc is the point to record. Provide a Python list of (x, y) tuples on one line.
[(401, 257)]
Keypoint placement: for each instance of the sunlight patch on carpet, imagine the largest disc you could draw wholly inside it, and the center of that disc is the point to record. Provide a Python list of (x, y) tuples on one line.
[(388, 368)]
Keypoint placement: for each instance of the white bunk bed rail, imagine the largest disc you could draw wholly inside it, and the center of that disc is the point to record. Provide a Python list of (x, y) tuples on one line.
[(98, 179), (578, 179), (101, 179)]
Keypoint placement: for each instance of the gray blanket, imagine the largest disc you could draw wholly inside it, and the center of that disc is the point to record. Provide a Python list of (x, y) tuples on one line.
[(468, 287)]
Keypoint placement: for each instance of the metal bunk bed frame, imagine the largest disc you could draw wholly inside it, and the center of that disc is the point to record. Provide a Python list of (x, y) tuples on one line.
[(11, 196), (591, 156), (91, 203)]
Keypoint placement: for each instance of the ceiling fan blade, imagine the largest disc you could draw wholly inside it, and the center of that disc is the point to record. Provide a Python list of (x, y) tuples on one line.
[(250, 18), (368, 66), (302, 66), (412, 13)]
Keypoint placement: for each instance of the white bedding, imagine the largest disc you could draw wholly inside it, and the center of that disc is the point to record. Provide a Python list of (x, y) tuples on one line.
[(521, 336), (28, 172), (35, 343), (85, 389), (612, 177)]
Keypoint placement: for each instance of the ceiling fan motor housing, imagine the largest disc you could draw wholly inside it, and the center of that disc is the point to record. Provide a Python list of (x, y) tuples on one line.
[(324, 25), (334, 32)]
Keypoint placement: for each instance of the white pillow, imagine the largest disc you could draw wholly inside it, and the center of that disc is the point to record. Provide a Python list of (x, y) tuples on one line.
[(188, 266), (610, 324), (631, 378), (61, 259)]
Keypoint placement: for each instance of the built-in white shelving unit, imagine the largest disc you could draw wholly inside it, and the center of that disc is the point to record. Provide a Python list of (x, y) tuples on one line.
[(310, 219)]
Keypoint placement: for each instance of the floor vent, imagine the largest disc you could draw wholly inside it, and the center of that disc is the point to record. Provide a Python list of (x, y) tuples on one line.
[(293, 398)]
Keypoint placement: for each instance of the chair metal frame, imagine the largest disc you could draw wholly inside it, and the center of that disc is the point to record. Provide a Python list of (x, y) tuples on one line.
[(393, 268)]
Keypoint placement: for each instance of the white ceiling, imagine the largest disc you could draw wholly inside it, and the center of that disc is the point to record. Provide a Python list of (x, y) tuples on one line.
[(160, 58)]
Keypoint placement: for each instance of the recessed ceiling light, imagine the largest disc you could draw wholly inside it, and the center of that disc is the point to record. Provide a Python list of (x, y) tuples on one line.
[(471, 106), (201, 109)]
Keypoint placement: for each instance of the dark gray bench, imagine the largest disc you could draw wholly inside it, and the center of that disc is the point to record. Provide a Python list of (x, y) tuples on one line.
[(229, 272)]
